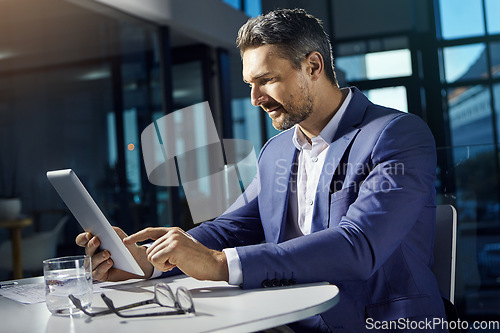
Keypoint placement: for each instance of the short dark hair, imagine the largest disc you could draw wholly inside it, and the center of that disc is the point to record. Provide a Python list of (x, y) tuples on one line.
[(295, 32)]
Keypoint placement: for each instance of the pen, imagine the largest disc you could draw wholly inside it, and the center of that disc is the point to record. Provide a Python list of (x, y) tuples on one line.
[(8, 284)]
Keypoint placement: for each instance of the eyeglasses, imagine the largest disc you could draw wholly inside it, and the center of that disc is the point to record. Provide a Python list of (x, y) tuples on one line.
[(181, 302)]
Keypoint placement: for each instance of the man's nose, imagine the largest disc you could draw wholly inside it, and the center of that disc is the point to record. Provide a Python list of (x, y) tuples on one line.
[(258, 96)]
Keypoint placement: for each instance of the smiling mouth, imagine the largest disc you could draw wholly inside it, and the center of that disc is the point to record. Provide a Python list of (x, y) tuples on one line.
[(273, 112)]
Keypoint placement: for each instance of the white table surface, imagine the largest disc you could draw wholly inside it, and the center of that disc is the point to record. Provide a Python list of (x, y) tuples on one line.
[(219, 308)]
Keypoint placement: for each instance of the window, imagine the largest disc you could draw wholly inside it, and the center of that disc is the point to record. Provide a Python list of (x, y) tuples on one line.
[(251, 7), (133, 158), (246, 122), (461, 18), (464, 62), (393, 97), (469, 45), (496, 97), (492, 10), (470, 116), (495, 59), (377, 65), (381, 67), (374, 59)]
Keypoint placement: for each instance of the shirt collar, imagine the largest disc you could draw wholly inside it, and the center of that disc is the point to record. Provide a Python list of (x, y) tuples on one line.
[(326, 135)]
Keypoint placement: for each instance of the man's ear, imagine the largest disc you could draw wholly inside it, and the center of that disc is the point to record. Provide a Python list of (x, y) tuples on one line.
[(314, 65)]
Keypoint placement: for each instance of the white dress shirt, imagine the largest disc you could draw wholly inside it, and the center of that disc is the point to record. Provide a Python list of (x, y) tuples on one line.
[(310, 161)]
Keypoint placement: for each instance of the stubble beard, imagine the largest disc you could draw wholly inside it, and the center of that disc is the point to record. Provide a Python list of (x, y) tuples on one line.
[(294, 113)]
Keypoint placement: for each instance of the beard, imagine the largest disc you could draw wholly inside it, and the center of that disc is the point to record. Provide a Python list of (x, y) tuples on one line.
[(292, 112), (293, 115)]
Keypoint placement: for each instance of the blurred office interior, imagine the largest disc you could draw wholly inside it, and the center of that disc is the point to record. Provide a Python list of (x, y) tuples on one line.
[(81, 79)]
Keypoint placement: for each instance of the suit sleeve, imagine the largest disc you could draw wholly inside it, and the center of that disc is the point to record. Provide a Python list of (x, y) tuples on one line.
[(388, 204)]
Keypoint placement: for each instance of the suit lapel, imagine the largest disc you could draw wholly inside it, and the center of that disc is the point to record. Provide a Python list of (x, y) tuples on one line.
[(283, 166), (344, 136)]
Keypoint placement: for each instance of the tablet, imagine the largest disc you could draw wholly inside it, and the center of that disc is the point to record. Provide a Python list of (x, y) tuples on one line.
[(91, 218)]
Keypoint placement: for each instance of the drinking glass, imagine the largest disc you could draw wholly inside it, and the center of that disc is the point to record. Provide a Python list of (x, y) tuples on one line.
[(67, 276)]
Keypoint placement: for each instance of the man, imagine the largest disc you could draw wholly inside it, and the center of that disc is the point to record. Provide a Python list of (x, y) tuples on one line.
[(347, 193)]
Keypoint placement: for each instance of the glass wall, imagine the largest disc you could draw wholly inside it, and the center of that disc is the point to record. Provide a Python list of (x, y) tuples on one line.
[(393, 97), (469, 58), (247, 122), (374, 65), (78, 85), (76, 89), (381, 67), (453, 15), (251, 7), (459, 60)]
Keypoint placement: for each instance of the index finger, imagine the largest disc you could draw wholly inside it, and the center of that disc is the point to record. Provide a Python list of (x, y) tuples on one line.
[(145, 234)]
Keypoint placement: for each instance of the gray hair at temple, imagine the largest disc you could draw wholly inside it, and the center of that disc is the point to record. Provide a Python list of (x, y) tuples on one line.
[(294, 32)]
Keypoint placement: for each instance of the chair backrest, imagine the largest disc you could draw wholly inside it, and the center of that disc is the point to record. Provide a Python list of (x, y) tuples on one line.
[(35, 248), (445, 248)]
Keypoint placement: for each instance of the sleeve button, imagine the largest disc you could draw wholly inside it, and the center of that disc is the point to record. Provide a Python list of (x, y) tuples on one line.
[(283, 282)]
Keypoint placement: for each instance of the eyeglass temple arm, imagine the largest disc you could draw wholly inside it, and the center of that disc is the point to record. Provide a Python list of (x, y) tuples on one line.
[(109, 303), (79, 306), (111, 306), (133, 305)]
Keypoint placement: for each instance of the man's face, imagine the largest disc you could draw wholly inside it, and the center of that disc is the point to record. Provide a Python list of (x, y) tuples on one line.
[(278, 88)]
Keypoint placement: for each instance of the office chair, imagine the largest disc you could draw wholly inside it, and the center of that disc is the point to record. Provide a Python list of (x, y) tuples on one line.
[(35, 248), (445, 247)]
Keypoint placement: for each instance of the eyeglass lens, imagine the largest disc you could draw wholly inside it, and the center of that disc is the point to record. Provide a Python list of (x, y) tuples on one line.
[(164, 295), (185, 300)]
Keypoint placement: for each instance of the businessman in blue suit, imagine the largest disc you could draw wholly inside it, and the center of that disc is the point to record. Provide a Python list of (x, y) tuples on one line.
[(344, 194)]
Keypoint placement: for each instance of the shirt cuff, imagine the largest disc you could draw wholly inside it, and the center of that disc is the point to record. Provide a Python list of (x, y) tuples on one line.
[(234, 266), (156, 273)]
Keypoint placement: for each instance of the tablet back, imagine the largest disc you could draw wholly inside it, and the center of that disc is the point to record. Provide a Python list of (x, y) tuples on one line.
[(91, 218)]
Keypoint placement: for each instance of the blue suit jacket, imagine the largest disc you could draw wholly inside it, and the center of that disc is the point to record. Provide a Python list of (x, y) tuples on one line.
[(373, 220)]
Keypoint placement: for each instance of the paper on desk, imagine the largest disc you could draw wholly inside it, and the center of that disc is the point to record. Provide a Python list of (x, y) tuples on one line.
[(25, 293), (35, 292)]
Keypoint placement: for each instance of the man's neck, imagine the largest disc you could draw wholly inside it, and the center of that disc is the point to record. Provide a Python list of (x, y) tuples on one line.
[(323, 112)]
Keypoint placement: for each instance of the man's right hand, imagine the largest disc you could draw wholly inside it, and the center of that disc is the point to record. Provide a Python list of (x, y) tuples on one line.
[(102, 264)]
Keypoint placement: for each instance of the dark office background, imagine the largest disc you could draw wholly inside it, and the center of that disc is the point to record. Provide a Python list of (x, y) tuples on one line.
[(81, 79)]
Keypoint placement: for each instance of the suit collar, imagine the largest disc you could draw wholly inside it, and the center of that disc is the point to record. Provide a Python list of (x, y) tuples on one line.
[(354, 114), (327, 133)]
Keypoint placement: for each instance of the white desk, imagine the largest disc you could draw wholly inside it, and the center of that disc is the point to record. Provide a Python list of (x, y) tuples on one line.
[(219, 308)]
